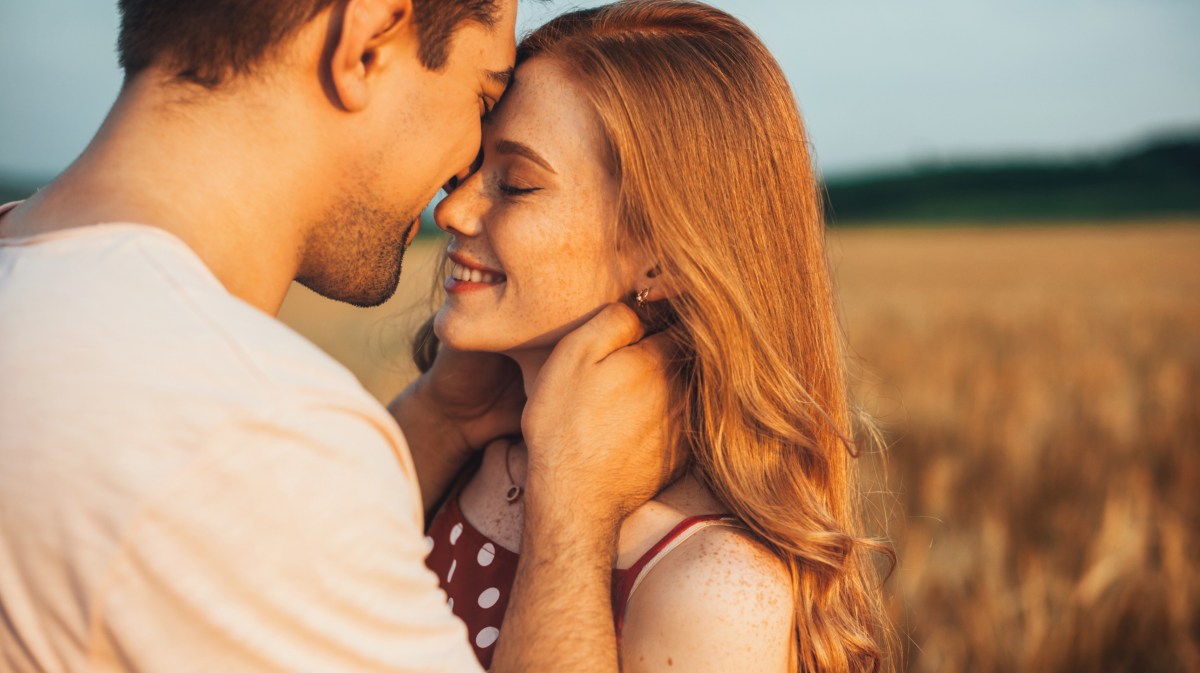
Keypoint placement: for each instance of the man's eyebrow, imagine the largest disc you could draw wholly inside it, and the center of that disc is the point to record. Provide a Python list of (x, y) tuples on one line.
[(523, 150), (501, 77)]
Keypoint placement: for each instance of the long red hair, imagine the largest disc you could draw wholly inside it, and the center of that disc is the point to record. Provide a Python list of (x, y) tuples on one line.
[(716, 183)]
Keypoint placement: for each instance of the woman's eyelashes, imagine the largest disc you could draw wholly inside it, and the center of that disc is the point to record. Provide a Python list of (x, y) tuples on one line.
[(513, 186), (514, 190)]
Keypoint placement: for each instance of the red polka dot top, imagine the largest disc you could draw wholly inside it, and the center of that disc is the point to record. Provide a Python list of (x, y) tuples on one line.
[(477, 574)]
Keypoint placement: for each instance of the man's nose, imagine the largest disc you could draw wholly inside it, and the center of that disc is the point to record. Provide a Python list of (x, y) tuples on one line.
[(460, 177)]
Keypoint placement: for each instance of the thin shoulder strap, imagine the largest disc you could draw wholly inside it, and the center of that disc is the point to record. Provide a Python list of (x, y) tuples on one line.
[(670, 542)]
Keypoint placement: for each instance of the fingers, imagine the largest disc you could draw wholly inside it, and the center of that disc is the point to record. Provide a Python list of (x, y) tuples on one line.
[(658, 346), (613, 328)]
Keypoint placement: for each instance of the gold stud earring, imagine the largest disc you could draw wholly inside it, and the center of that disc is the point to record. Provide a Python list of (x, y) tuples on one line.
[(640, 299)]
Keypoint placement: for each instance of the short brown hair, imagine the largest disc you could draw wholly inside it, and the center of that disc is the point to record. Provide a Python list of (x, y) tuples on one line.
[(207, 41)]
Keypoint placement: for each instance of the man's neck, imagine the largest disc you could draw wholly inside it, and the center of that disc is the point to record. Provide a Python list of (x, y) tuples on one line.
[(213, 174)]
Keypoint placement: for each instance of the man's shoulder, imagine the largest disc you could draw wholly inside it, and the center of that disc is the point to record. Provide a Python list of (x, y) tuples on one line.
[(122, 343), (135, 391), (135, 298)]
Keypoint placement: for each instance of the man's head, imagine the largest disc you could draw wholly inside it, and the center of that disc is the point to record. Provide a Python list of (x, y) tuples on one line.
[(390, 94), (207, 42)]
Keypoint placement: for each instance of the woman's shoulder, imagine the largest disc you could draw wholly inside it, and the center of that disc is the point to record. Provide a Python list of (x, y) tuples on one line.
[(649, 524), (722, 565), (720, 601)]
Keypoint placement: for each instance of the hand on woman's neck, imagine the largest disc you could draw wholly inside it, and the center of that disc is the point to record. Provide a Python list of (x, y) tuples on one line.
[(531, 363)]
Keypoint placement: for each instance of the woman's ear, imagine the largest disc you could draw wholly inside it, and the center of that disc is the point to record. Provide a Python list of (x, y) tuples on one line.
[(365, 36), (650, 298), (652, 285)]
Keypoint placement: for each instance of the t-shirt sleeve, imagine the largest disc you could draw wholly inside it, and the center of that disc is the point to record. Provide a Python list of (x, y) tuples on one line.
[(291, 545)]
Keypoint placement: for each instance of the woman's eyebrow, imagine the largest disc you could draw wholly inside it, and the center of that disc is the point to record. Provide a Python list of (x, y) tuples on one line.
[(523, 150)]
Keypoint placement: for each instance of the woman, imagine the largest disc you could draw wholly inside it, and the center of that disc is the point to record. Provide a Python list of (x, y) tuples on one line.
[(652, 152)]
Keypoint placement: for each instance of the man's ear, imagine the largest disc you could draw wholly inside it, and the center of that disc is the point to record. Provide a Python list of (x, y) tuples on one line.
[(367, 35)]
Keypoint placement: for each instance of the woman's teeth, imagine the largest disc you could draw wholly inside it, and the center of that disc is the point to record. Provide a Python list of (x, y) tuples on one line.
[(462, 273)]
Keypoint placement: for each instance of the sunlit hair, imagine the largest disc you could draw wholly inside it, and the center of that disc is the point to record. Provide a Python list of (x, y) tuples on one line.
[(716, 183)]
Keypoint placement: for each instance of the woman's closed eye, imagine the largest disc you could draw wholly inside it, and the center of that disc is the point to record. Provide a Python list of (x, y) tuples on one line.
[(515, 190), (514, 185)]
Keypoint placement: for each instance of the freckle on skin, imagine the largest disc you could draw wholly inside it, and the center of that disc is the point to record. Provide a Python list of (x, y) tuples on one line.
[(670, 662)]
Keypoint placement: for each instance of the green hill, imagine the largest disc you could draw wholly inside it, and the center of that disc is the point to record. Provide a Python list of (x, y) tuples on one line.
[(15, 188), (1159, 179)]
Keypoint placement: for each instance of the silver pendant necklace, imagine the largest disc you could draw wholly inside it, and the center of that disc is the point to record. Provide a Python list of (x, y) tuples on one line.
[(514, 491)]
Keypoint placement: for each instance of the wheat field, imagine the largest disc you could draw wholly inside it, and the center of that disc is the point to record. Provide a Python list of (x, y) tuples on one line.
[(1038, 390)]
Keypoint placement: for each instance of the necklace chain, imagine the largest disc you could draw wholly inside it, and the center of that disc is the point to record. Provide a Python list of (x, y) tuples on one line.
[(514, 491)]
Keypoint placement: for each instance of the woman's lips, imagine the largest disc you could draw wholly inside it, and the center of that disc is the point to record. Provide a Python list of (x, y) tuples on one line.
[(467, 275)]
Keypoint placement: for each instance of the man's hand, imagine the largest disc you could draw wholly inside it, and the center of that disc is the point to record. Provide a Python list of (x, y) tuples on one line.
[(596, 420), (594, 425), (463, 402)]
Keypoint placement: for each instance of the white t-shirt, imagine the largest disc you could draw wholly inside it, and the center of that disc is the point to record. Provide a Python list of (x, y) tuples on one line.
[(188, 485)]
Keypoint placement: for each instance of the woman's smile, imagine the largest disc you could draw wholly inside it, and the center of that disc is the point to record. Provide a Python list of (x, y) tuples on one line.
[(467, 275)]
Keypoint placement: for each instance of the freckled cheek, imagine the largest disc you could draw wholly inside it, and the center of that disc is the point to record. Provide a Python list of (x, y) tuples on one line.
[(563, 267)]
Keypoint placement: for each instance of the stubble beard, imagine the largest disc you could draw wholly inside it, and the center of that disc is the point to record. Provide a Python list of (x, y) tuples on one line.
[(356, 254)]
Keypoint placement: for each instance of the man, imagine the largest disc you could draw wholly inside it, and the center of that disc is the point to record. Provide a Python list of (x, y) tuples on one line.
[(185, 484)]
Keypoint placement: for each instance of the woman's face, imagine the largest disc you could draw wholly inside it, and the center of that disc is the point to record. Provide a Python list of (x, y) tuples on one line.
[(534, 252)]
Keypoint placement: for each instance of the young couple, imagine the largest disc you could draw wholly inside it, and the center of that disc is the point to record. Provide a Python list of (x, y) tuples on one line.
[(187, 485)]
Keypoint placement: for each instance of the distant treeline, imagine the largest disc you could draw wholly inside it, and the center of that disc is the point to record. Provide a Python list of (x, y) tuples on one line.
[(1156, 180), (1160, 179), (17, 188)]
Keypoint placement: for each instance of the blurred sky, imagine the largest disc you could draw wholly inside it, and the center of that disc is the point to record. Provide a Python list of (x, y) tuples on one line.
[(882, 83)]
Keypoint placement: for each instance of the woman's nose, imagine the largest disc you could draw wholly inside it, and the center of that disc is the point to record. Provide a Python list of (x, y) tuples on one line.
[(459, 212)]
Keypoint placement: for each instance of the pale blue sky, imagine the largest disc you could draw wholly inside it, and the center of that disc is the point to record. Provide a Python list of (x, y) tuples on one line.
[(880, 82)]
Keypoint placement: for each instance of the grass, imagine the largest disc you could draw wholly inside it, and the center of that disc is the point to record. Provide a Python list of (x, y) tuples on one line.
[(1039, 390)]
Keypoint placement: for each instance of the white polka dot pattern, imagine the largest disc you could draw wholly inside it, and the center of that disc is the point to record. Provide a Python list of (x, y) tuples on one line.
[(455, 533), (489, 597), (487, 554), (487, 637)]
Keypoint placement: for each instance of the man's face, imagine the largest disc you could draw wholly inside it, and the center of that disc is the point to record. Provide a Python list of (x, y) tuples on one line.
[(420, 129)]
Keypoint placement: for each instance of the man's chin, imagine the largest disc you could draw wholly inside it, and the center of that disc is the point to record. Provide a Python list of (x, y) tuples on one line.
[(364, 280), (380, 289), (362, 296)]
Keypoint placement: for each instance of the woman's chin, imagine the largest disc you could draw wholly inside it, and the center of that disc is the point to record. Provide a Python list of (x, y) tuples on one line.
[(444, 330), (451, 331), (460, 332)]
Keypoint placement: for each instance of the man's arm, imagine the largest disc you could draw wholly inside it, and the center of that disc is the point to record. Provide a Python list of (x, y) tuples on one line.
[(463, 402), (594, 426), (291, 544)]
